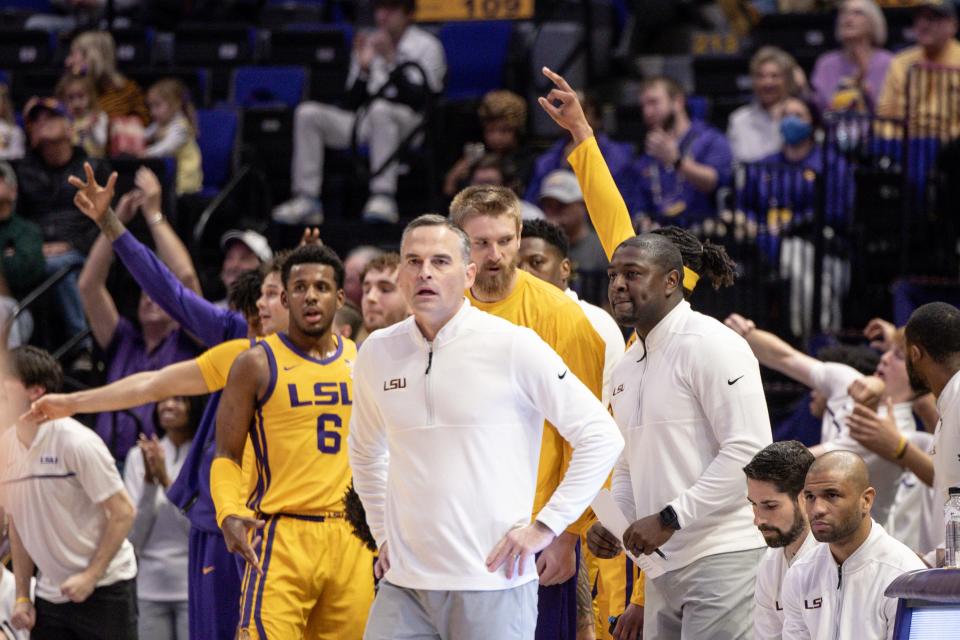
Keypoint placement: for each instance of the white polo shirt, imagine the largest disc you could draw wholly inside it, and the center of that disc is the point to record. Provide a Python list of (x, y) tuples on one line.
[(53, 490), (832, 380), (768, 612)]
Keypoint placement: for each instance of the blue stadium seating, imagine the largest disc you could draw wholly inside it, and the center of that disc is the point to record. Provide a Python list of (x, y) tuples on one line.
[(473, 70), (259, 86), (218, 135)]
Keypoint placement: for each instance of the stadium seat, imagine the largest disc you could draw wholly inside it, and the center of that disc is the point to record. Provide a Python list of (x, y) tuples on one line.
[(213, 45), (31, 6), (260, 86), (558, 45), (218, 135), (325, 48), (25, 48), (473, 70)]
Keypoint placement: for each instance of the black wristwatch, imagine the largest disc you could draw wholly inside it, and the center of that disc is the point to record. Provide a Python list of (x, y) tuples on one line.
[(668, 518)]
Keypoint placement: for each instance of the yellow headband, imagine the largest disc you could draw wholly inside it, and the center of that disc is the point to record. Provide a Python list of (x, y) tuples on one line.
[(690, 278)]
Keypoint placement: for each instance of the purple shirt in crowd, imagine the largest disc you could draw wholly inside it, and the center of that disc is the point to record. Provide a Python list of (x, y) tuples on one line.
[(666, 196), (127, 354), (834, 70)]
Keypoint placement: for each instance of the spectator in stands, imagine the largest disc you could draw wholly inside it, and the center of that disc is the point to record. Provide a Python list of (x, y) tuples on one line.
[(935, 27), (69, 517), (684, 162), (353, 266), (244, 249), (499, 171), (383, 303), (619, 155), (160, 531), (562, 203), (503, 117), (93, 53), (799, 120), (44, 198), (753, 129), (11, 136), (545, 252), (90, 122), (392, 96), (155, 340), (21, 263), (851, 77), (173, 132), (837, 590), (837, 387)]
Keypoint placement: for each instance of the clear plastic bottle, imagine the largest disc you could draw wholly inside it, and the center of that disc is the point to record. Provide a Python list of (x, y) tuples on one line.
[(951, 518)]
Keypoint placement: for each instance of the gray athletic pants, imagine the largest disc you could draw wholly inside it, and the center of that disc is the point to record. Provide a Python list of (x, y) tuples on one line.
[(163, 620), (710, 598), (418, 614)]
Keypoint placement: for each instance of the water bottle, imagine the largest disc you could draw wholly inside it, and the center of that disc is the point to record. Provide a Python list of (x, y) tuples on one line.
[(951, 517)]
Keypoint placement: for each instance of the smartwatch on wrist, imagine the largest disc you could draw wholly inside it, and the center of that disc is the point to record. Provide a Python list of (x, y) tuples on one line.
[(668, 518)]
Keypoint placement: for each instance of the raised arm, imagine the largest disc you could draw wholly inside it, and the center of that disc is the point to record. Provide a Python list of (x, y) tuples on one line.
[(773, 352), (170, 248), (605, 205), (203, 319), (178, 379), (248, 380)]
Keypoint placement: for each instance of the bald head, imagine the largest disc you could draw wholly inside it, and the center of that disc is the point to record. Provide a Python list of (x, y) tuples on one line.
[(838, 498), (844, 466)]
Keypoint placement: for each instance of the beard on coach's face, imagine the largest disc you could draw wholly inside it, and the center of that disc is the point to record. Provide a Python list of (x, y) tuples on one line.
[(496, 283), (777, 538), (917, 382)]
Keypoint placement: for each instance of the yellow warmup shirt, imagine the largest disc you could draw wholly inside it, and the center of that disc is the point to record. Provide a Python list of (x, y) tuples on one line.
[(300, 430), (560, 322)]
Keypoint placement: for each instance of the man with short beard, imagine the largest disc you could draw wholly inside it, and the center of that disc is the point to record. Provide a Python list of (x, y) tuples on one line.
[(837, 591), (490, 216), (382, 304), (774, 481)]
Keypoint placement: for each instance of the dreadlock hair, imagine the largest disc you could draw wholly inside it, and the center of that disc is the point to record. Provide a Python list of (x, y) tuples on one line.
[(356, 517), (707, 259), (244, 292)]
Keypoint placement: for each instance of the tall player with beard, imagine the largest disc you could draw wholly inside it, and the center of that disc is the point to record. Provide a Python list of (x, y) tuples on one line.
[(307, 575), (491, 218), (775, 479)]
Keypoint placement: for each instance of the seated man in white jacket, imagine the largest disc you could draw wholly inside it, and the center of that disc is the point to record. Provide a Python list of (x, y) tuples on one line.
[(444, 444), (837, 590), (775, 479)]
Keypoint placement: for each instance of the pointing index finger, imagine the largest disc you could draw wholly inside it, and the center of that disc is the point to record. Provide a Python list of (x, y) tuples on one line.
[(557, 79)]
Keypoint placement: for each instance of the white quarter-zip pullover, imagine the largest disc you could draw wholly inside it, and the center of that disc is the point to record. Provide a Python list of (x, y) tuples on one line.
[(768, 612), (832, 379), (445, 439), (826, 601), (690, 404)]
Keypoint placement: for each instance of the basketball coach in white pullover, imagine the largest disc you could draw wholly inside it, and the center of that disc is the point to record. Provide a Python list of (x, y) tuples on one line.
[(688, 398), (444, 445)]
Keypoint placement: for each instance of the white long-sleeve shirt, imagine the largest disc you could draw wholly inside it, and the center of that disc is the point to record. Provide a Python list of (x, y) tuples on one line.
[(690, 404), (612, 337), (826, 601), (946, 441), (832, 379), (160, 534), (445, 441), (768, 610)]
